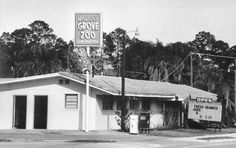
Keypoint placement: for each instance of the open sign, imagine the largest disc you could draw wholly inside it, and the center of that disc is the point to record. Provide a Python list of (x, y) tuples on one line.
[(202, 99)]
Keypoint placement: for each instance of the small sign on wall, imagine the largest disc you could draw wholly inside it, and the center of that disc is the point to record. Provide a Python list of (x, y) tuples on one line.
[(204, 111), (88, 29)]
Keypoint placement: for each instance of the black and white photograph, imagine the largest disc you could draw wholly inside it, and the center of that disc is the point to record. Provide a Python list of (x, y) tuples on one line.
[(117, 73)]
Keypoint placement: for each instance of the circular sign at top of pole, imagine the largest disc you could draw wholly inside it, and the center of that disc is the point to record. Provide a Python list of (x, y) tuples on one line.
[(88, 29)]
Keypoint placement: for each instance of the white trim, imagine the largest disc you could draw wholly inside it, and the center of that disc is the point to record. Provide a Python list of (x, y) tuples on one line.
[(152, 96), (30, 78), (160, 96), (37, 77)]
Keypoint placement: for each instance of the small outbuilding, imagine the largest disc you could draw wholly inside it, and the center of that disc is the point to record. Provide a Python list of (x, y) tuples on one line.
[(58, 101)]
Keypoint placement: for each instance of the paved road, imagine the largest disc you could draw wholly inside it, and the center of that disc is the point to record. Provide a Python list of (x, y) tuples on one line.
[(52, 139), (149, 142), (113, 145)]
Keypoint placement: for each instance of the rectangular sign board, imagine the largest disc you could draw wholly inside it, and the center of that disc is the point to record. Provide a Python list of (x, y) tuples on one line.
[(88, 29), (204, 111)]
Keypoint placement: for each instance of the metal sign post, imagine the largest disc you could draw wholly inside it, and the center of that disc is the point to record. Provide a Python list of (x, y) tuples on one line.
[(87, 96), (88, 33)]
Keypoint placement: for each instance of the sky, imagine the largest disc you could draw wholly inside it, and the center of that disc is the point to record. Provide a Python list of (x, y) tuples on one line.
[(166, 20)]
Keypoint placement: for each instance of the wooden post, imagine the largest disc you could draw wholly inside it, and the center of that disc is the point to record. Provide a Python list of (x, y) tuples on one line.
[(164, 114), (181, 114), (123, 100), (191, 67)]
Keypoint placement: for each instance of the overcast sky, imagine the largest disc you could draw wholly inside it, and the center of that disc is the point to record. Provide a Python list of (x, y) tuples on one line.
[(167, 20)]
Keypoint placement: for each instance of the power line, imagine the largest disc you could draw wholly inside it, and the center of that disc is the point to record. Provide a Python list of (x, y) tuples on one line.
[(177, 67), (219, 56)]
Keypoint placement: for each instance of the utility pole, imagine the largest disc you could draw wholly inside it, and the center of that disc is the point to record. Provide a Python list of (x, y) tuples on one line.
[(123, 102), (191, 68), (124, 110), (123, 68)]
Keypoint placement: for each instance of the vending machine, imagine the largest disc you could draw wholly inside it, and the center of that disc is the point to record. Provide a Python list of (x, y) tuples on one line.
[(134, 124)]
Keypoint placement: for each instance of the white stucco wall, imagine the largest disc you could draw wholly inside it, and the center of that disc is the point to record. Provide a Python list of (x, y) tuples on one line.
[(156, 118), (6, 110), (105, 119), (58, 116)]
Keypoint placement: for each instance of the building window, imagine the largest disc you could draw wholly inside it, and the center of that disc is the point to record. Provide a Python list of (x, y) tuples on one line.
[(71, 101), (107, 103), (67, 81), (133, 104), (146, 104), (60, 81)]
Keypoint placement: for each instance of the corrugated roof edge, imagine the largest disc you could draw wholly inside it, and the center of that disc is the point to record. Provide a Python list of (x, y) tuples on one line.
[(81, 78)]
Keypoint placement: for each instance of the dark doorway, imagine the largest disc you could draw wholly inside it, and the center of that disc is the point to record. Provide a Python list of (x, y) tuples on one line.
[(40, 112), (20, 112)]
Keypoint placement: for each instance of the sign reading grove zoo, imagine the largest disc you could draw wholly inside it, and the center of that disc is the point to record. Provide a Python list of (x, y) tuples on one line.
[(88, 29), (204, 111)]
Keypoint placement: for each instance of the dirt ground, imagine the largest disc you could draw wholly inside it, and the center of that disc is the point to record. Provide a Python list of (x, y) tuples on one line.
[(186, 132)]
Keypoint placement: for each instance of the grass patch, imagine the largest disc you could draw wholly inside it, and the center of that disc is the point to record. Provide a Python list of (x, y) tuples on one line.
[(215, 138), (186, 132)]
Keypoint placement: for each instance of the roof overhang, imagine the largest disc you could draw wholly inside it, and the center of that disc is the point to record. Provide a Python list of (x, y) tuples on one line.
[(82, 80)]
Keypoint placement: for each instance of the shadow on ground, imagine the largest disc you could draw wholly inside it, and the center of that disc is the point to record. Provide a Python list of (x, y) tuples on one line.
[(93, 141)]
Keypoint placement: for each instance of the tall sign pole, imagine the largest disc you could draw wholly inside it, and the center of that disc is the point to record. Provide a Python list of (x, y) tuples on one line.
[(87, 95), (88, 33)]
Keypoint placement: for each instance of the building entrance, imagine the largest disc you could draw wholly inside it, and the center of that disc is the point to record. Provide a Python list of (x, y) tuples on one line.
[(40, 112), (19, 119)]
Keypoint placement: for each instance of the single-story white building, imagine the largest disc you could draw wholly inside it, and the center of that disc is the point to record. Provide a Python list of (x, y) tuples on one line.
[(58, 101)]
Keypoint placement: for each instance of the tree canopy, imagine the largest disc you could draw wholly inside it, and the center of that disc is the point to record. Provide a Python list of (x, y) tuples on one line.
[(35, 50)]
